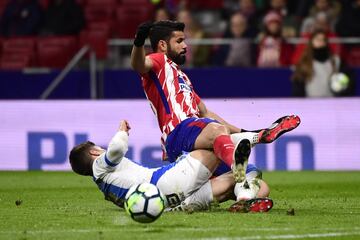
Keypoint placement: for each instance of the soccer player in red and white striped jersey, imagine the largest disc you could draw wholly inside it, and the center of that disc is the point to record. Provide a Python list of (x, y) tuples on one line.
[(184, 120)]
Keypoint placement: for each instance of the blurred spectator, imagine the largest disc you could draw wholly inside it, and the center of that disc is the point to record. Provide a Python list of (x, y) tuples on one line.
[(173, 6), (323, 9), (248, 9), (349, 21), (303, 8), (238, 53), (162, 14), (273, 51), (313, 72), (320, 23), (289, 23), (196, 55), (63, 17), (20, 18)]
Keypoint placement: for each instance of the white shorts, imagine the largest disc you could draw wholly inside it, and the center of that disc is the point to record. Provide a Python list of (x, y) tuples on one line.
[(180, 179)]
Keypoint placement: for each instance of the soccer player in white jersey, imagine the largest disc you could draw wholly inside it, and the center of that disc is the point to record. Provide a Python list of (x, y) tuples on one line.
[(185, 122), (186, 180)]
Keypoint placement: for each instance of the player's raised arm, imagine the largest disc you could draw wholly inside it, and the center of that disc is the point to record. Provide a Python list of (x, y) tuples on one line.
[(204, 112), (118, 145), (139, 61)]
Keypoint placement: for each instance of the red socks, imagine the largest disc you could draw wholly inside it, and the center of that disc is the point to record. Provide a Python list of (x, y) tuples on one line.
[(224, 149)]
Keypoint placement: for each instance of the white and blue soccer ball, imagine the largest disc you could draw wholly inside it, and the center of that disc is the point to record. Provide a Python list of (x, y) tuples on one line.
[(339, 82), (144, 203)]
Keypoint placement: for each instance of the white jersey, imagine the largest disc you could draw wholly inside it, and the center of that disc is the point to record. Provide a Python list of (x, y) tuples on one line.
[(115, 174)]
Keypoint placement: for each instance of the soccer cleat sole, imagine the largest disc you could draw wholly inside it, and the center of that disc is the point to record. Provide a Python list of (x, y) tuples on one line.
[(241, 157), (252, 205), (278, 128)]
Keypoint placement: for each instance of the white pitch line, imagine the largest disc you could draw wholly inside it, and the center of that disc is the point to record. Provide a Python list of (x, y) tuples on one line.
[(144, 229), (347, 232), (289, 236)]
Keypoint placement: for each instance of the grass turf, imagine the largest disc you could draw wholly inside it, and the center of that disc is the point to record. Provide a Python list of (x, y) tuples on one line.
[(62, 205)]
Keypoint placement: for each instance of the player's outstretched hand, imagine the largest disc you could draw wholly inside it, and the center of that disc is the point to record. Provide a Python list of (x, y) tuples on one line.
[(142, 33), (124, 126)]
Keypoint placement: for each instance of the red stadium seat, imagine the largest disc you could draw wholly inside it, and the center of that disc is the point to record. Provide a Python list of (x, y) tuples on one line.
[(14, 62), (102, 2), (352, 57), (44, 3), (100, 26), (3, 4), (205, 4), (23, 44), (20, 46), (1, 43), (129, 17), (81, 2), (134, 2), (56, 52), (97, 40), (99, 12)]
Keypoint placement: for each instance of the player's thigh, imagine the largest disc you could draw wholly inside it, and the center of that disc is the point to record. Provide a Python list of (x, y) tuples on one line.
[(206, 138), (207, 158), (187, 176), (184, 136)]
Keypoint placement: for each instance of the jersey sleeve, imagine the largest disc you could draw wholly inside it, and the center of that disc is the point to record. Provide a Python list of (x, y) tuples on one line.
[(116, 151), (158, 60)]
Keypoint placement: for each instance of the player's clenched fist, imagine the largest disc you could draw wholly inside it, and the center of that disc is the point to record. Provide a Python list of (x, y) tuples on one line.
[(142, 33), (124, 126)]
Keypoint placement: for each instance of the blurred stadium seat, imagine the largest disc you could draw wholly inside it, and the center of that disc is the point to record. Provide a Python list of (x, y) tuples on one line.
[(129, 16), (19, 44), (14, 48), (106, 26), (352, 56), (134, 2), (97, 40), (14, 62), (205, 4), (2, 6), (99, 12), (56, 52), (44, 3)]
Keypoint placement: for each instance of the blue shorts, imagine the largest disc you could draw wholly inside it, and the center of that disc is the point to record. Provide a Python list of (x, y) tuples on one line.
[(184, 135)]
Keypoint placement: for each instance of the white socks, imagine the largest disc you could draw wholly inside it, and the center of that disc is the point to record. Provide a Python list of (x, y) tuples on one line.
[(251, 136)]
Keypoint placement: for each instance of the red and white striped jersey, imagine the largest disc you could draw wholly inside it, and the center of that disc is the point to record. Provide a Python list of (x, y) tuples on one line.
[(170, 93)]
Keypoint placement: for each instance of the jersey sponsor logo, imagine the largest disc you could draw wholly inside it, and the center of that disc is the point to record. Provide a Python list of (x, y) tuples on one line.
[(183, 86)]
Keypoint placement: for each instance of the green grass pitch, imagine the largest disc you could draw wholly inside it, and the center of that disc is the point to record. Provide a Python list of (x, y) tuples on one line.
[(62, 205)]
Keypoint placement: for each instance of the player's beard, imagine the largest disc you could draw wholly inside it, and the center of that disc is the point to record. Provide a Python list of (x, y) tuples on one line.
[(178, 58)]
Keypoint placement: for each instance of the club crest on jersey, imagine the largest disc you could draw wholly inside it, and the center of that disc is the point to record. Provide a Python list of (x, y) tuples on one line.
[(183, 85)]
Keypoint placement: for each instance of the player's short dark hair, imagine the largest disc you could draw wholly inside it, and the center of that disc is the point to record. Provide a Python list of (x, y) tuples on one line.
[(162, 30), (80, 158)]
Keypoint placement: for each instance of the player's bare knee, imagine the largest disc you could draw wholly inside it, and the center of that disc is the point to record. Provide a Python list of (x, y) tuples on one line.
[(218, 130), (208, 135)]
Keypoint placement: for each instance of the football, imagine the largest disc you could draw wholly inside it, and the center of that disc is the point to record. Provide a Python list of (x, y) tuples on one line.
[(339, 82), (247, 189), (144, 203)]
